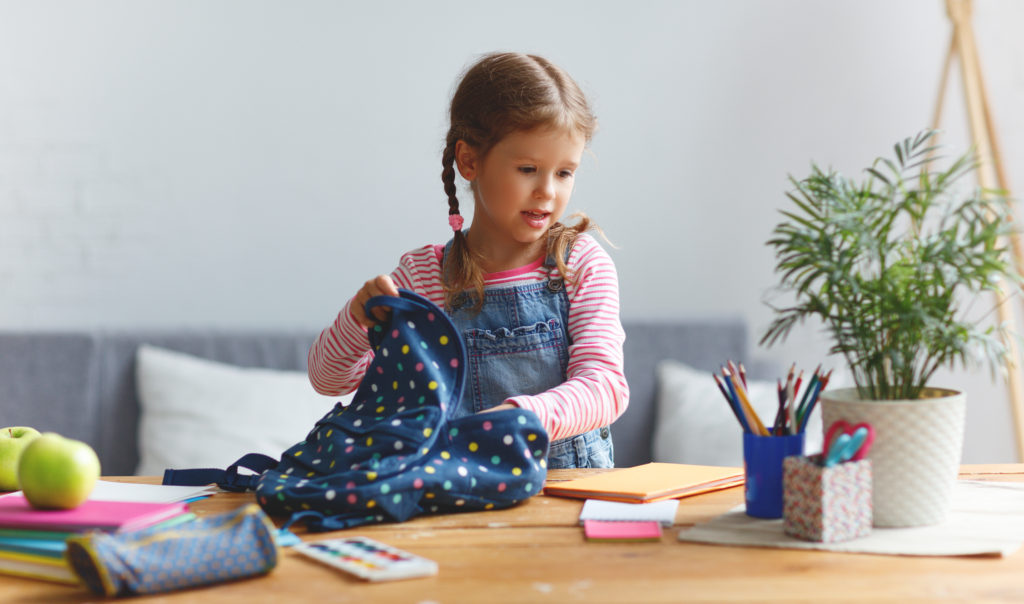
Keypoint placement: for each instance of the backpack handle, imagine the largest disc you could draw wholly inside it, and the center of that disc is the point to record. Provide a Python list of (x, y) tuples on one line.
[(402, 302)]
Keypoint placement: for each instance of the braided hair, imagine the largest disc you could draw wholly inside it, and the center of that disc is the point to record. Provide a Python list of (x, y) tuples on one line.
[(500, 94)]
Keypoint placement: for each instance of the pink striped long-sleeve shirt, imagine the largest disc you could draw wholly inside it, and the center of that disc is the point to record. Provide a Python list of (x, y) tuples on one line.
[(595, 392)]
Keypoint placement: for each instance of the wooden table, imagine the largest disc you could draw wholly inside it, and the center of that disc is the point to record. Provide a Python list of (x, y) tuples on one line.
[(535, 552)]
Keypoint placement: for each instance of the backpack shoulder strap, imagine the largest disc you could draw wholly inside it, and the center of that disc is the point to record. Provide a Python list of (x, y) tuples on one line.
[(229, 479)]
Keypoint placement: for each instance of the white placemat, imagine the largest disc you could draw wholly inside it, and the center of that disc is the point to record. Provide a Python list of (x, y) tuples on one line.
[(986, 518)]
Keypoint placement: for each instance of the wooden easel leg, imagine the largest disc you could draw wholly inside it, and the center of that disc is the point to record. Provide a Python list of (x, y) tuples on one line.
[(991, 176)]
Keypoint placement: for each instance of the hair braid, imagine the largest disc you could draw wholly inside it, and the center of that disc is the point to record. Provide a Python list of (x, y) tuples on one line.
[(448, 174), (461, 268)]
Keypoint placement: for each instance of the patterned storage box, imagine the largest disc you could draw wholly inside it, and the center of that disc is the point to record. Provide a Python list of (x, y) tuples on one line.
[(826, 504)]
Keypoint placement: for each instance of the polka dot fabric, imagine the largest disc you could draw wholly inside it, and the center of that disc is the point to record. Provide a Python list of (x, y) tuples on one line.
[(204, 551), (394, 452)]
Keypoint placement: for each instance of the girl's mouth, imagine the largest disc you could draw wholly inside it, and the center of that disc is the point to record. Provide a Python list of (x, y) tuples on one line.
[(536, 219)]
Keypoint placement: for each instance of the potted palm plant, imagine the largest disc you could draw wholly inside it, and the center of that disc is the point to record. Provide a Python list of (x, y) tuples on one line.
[(886, 265)]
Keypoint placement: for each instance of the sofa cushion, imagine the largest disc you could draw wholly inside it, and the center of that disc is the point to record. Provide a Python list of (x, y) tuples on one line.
[(200, 413), (700, 342), (695, 424)]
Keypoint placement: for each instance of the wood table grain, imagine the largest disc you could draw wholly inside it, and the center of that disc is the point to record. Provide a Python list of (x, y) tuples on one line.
[(535, 552)]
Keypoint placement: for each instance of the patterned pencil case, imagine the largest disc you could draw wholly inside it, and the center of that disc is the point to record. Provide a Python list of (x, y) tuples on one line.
[(207, 550)]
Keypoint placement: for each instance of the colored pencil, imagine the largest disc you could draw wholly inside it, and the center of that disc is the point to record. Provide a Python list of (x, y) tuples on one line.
[(802, 408), (743, 409), (732, 403), (789, 397), (792, 414), (735, 401), (755, 422), (780, 415), (814, 399)]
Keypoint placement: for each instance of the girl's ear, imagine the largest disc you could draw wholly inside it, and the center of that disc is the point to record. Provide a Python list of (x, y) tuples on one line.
[(466, 159)]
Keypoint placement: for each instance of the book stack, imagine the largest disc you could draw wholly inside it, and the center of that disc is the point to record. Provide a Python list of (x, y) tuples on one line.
[(604, 520), (32, 542), (36, 554)]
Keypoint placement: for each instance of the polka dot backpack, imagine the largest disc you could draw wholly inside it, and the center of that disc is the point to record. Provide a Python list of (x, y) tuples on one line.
[(395, 452)]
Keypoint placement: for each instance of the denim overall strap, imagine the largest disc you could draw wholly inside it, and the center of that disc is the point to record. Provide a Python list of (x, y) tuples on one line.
[(517, 343)]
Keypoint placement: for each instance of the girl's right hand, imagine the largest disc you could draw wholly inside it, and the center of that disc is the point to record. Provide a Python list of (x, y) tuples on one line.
[(381, 285)]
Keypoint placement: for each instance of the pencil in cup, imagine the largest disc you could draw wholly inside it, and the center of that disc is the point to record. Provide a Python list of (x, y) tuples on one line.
[(732, 389), (793, 409)]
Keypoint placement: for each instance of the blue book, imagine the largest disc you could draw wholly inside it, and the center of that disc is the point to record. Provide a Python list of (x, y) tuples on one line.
[(39, 547)]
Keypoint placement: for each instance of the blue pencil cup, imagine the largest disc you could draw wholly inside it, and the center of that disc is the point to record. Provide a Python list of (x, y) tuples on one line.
[(762, 465)]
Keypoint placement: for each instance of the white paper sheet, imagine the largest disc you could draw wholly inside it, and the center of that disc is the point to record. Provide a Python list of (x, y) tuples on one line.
[(986, 518), (106, 490), (663, 512)]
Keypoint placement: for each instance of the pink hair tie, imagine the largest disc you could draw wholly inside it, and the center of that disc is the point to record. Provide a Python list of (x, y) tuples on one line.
[(455, 220)]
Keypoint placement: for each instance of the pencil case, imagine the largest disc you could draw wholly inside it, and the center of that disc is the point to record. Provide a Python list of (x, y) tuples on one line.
[(208, 550), (826, 504)]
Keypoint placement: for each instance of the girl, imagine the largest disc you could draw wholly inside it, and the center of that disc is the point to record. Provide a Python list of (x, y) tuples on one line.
[(537, 301)]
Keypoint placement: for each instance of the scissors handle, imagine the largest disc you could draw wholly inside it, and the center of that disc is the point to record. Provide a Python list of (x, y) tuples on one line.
[(854, 445), (838, 427), (837, 450), (869, 438)]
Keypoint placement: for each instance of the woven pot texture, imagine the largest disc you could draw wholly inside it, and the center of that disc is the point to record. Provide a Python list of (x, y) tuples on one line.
[(916, 453)]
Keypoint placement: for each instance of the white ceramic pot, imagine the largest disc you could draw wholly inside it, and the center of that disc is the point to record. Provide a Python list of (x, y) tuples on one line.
[(916, 454)]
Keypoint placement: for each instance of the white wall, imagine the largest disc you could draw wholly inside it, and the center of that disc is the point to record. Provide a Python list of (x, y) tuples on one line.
[(249, 164)]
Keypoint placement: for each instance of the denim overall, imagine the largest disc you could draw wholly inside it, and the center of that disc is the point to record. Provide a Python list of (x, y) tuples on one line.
[(517, 344)]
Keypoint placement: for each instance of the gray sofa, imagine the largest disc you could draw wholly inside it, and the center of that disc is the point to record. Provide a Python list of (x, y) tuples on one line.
[(82, 384)]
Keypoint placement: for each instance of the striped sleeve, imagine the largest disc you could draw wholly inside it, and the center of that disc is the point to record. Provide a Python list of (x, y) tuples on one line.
[(595, 392), (341, 353)]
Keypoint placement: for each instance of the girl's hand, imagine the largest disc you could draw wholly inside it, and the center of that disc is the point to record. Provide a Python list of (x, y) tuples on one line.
[(500, 407), (381, 285)]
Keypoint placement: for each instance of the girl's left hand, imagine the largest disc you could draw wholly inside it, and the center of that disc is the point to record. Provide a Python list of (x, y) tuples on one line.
[(500, 407), (381, 285)]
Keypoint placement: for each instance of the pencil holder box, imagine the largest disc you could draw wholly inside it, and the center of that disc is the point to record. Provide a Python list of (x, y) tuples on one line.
[(826, 504)]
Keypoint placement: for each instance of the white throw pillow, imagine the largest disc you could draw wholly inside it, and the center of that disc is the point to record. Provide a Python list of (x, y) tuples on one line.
[(695, 424), (197, 413)]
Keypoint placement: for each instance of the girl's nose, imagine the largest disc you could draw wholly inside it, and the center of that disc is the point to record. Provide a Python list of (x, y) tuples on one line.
[(545, 188)]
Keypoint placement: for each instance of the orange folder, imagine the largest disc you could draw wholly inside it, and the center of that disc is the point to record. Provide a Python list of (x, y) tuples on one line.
[(649, 482)]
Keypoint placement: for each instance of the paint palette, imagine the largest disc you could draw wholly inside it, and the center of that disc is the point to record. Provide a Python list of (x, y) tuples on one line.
[(368, 559)]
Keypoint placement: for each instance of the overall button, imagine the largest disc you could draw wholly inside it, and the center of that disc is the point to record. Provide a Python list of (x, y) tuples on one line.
[(604, 432), (459, 301), (555, 285)]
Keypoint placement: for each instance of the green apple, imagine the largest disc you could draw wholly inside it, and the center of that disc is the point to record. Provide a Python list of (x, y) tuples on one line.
[(13, 441), (57, 472)]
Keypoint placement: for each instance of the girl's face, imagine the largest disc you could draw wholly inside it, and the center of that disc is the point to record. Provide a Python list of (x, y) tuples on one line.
[(521, 188)]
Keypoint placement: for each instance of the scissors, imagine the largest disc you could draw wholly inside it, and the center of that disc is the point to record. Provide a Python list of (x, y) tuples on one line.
[(847, 442)]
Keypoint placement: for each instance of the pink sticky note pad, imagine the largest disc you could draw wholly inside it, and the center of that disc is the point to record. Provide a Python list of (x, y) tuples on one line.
[(606, 530)]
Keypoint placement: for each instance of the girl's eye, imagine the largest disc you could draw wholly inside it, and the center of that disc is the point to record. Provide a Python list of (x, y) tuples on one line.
[(565, 173), (527, 169)]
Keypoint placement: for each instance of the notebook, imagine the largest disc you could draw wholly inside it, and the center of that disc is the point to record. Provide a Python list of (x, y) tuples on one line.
[(37, 567), (663, 512), (598, 530), (649, 482), (15, 512), (61, 536), (38, 547)]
